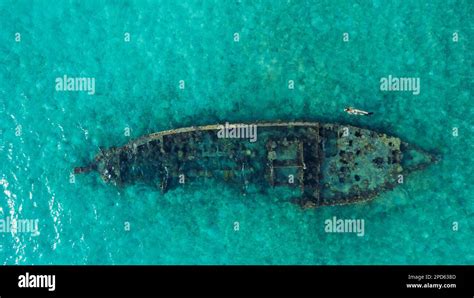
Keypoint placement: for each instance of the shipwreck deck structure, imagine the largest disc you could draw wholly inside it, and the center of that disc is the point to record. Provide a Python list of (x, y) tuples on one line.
[(329, 164)]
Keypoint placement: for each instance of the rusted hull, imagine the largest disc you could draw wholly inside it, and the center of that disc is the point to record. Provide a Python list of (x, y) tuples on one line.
[(329, 164)]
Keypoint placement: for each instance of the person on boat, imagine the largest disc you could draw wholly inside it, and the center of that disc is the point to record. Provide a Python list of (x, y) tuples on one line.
[(352, 111)]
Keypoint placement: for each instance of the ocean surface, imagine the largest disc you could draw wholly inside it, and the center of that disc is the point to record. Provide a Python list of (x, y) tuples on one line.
[(45, 133)]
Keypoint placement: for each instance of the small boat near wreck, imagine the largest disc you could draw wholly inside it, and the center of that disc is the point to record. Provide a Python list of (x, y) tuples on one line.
[(327, 164)]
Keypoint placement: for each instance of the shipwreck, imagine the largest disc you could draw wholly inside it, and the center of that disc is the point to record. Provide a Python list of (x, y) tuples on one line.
[(326, 164)]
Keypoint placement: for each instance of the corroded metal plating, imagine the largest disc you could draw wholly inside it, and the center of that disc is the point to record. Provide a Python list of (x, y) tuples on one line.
[(329, 164)]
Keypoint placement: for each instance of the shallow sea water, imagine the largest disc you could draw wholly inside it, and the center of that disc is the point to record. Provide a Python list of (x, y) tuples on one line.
[(137, 86)]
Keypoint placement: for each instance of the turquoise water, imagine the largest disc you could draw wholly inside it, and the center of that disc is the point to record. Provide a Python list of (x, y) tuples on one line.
[(137, 86)]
